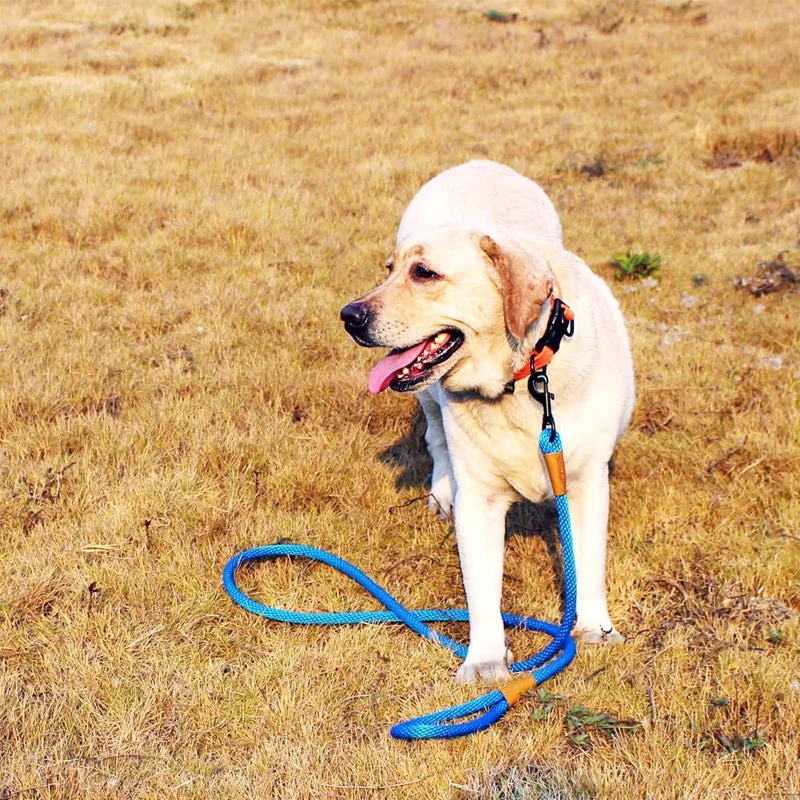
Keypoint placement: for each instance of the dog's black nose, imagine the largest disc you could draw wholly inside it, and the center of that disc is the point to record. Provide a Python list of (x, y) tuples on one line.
[(355, 315)]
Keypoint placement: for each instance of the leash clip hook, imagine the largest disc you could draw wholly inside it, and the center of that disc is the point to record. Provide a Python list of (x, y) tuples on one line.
[(539, 388), (560, 324)]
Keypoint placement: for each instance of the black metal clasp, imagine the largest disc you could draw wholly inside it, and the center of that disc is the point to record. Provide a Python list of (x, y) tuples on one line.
[(558, 326), (540, 391)]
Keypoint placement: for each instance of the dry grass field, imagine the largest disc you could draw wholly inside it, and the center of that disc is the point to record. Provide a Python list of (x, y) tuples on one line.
[(190, 192)]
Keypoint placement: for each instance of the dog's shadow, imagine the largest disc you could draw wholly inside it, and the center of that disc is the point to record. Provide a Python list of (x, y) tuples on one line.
[(410, 456)]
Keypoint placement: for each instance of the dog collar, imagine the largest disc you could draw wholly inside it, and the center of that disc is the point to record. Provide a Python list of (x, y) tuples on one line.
[(561, 323)]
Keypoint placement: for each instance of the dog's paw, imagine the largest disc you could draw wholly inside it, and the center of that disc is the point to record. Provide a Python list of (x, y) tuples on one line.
[(440, 499), (598, 634), (442, 508), (470, 672), (489, 669)]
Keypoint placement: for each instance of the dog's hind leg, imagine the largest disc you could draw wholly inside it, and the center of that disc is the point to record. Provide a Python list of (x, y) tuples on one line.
[(440, 500)]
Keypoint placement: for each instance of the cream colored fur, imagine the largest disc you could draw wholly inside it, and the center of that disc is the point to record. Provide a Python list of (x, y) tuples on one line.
[(483, 441)]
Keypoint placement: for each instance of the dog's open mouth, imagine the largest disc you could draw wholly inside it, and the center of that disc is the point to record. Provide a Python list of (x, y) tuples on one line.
[(402, 370)]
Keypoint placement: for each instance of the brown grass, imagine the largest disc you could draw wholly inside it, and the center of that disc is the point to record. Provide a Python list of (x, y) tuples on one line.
[(189, 194), (764, 145)]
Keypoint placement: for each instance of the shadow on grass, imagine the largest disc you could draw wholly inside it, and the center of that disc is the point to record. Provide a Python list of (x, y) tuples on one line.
[(539, 519), (410, 456)]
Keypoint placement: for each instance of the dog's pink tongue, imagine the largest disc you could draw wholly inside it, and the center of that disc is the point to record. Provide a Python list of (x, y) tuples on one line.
[(384, 371)]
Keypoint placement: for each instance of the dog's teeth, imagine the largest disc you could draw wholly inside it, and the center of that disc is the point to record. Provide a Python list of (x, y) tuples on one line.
[(405, 371), (441, 338)]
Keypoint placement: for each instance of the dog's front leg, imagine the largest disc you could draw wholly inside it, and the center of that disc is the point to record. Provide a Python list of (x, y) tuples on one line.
[(588, 500), (480, 533)]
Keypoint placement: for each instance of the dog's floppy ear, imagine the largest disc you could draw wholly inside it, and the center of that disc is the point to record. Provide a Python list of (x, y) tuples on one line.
[(526, 281)]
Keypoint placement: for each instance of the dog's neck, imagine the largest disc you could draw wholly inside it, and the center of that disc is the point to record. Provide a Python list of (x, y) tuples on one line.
[(502, 356), (522, 352), (496, 362)]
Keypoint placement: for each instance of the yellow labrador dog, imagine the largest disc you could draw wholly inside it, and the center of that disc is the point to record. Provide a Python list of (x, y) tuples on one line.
[(478, 258)]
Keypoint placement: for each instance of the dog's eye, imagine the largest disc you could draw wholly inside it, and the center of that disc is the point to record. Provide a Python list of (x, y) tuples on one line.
[(390, 265), (419, 272)]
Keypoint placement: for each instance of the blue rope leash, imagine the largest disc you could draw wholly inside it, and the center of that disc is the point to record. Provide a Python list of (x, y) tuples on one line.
[(440, 724)]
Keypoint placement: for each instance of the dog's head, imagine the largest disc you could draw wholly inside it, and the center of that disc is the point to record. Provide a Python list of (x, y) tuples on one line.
[(454, 307)]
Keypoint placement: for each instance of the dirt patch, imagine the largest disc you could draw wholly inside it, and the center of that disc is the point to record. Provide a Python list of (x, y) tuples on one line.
[(654, 415), (733, 150), (771, 276), (697, 597), (35, 599)]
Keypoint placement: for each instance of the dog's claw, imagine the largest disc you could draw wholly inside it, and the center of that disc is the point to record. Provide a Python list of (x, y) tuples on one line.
[(597, 634), (440, 499), (444, 509)]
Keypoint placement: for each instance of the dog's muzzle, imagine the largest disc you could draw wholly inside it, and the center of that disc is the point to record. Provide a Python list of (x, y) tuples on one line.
[(357, 317)]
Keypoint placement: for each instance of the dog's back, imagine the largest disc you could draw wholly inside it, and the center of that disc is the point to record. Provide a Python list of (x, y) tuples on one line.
[(487, 196)]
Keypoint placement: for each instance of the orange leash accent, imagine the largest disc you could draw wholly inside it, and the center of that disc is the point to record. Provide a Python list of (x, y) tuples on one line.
[(514, 690)]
